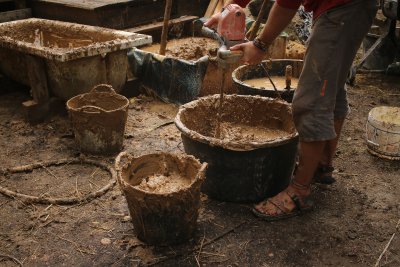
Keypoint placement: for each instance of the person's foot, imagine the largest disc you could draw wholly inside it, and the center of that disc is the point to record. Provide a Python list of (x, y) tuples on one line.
[(324, 175), (290, 202)]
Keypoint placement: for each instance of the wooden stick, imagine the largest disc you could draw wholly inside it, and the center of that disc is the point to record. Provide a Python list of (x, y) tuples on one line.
[(11, 258), (387, 245), (167, 14), (258, 21), (210, 9)]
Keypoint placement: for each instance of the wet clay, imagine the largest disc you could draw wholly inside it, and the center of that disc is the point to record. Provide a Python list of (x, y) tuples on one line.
[(295, 50), (264, 83), (53, 35), (163, 183), (241, 132), (190, 48), (246, 121)]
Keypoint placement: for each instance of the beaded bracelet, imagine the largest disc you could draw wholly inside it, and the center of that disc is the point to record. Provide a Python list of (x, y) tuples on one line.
[(260, 44)]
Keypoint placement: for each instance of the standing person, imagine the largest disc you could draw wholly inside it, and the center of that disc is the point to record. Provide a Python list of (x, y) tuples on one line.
[(320, 101)]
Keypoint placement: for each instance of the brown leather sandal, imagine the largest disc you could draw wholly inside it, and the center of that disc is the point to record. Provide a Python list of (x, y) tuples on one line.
[(302, 205)]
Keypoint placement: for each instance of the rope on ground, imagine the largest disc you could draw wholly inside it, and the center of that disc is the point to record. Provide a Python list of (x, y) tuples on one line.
[(59, 201), (387, 245)]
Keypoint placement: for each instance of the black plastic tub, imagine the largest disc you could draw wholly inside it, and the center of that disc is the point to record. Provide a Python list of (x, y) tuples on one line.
[(240, 171), (275, 67)]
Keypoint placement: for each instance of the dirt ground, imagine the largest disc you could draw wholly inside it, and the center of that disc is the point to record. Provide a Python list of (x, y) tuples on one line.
[(352, 223)]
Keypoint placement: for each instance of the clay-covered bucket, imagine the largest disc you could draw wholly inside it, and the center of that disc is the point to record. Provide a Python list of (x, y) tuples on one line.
[(276, 68), (98, 119), (163, 195), (383, 132), (250, 167)]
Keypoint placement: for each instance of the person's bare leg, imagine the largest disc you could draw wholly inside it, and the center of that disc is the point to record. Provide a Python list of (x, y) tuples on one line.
[(310, 156), (331, 145)]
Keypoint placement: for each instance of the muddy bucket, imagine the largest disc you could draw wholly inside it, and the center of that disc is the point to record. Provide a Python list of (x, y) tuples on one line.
[(98, 119), (383, 132), (252, 79), (163, 195), (255, 154)]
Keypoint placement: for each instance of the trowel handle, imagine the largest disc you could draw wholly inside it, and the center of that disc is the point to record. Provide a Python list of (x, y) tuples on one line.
[(103, 88)]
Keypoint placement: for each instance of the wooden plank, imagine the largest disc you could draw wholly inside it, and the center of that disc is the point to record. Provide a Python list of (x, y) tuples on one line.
[(164, 33), (37, 79), (211, 7), (219, 7), (158, 25), (15, 15)]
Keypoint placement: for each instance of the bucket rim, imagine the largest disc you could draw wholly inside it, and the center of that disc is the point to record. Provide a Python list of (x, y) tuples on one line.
[(74, 98), (382, 154), (200, 176), (237, 81), (374, 120), (230, 145)]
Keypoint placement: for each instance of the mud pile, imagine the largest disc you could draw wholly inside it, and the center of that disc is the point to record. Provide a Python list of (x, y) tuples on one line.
[(54, 35), (190, 48), (163, 183), (246, 121)]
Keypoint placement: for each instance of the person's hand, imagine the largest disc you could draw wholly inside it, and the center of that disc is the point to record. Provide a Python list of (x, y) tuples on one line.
[(213, 21), (251, 54)]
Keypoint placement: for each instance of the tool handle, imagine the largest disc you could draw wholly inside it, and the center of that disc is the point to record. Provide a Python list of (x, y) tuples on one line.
[(226, 56)]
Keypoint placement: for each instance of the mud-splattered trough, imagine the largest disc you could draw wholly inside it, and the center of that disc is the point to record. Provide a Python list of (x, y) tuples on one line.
[(64, 58), (255, 155), (189, 69)]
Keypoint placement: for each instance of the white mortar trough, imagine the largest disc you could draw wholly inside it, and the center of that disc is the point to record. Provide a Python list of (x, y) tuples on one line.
[(75, 57)]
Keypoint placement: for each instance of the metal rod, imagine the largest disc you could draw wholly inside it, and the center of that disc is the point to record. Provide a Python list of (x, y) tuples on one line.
[(221, 101), (269, 77)]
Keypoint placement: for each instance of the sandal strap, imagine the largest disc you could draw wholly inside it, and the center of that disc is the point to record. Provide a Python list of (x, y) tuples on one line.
[(299, 185), (278, 206), (297, 202)]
